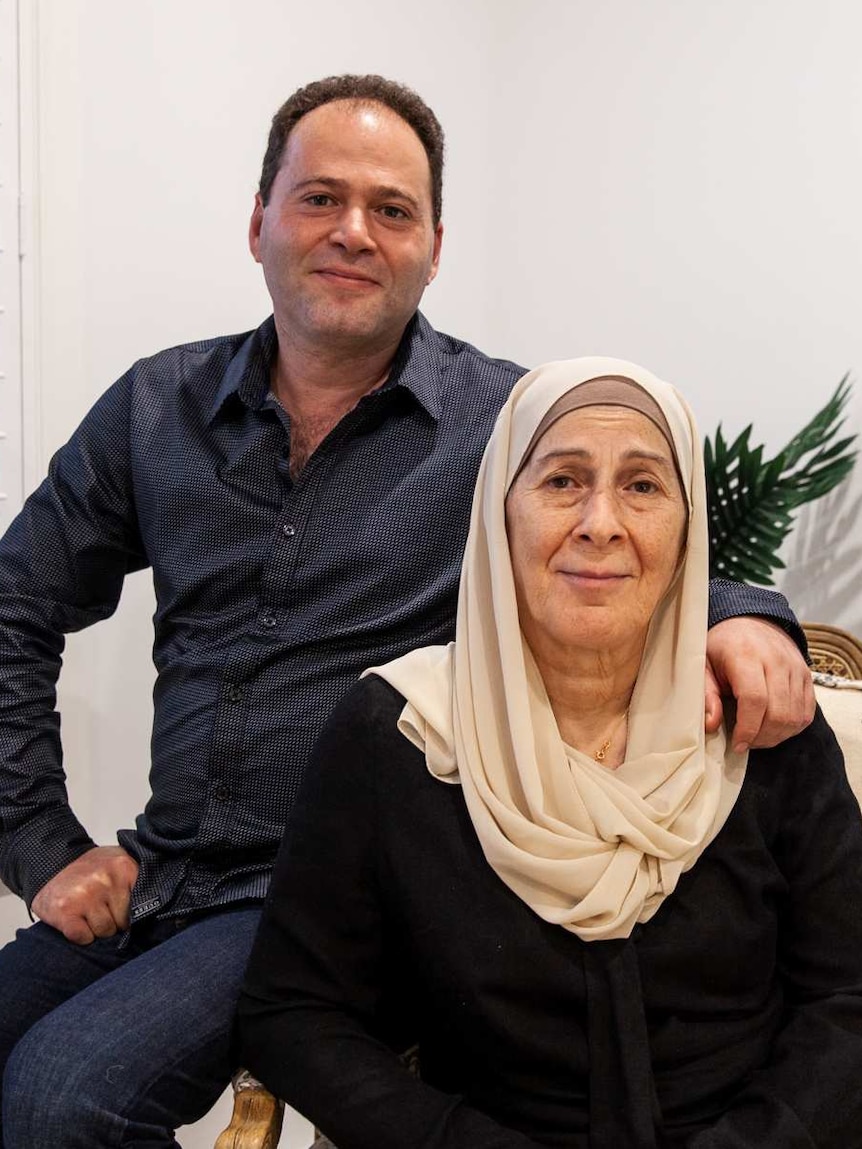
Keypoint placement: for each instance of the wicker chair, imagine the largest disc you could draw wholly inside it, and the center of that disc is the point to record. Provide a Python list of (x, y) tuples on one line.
[(837, 667), (833, 651), (836, 658)]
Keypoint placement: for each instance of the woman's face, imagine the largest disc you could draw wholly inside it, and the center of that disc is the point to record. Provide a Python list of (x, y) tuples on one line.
[(596, 523)]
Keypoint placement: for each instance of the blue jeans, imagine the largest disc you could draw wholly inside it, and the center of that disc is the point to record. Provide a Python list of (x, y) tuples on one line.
[(110, 1046)]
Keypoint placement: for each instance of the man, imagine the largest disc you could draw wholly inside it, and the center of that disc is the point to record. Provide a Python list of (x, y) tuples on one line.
[(301, 494)]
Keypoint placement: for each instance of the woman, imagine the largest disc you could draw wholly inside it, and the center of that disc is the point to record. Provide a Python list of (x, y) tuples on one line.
[(603, 928)]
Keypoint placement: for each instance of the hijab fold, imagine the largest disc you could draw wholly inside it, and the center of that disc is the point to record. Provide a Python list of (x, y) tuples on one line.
[(590, 849)]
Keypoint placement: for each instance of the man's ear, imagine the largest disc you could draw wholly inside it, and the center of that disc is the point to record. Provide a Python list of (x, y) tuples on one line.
[(254, 226), (435, 258)]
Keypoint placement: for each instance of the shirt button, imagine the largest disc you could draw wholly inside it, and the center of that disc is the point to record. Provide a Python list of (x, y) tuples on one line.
[(268, 620), (288, 529), (221, 792), (235, 693)]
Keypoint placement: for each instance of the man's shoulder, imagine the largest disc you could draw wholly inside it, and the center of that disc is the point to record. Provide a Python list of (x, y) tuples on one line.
[(459, 379), (468, 359), (182, 358), (201, 374)]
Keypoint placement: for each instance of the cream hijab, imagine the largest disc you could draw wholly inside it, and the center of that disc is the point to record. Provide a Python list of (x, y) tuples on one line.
[(590, 849)]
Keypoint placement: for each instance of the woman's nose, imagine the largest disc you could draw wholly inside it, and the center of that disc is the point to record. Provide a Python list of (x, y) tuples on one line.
[(600, 520)]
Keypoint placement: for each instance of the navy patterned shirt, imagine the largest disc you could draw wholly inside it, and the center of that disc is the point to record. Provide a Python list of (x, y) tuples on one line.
[(272, 594)]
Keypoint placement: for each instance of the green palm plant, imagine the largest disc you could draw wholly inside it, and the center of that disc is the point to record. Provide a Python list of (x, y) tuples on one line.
[(752, 501)]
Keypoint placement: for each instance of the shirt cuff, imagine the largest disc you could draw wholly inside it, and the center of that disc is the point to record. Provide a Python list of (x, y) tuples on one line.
[(729, 599), (41, 848)]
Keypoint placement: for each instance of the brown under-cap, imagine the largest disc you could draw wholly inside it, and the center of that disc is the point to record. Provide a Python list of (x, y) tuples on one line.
[(604, 391)]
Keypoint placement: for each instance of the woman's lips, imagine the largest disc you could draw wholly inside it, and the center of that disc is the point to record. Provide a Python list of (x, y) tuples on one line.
[(596, 579)]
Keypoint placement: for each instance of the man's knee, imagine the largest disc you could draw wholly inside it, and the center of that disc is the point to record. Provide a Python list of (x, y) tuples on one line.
[(143, 1049), (51, 1095), (20, 1092)]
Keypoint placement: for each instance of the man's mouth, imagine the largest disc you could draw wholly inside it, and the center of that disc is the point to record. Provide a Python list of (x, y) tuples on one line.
[(346, 277)]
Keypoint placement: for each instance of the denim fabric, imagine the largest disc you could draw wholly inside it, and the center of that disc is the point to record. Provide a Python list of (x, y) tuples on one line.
[(120, 1044)]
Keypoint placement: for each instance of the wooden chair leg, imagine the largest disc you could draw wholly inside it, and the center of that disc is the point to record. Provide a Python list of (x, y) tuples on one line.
[(257, 1116)]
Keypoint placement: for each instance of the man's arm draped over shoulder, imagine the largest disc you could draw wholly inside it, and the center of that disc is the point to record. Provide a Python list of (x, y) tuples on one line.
[(62, 565), (756, 653)]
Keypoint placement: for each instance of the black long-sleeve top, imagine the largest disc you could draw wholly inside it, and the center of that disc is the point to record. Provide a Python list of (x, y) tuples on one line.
[(732, 1019)]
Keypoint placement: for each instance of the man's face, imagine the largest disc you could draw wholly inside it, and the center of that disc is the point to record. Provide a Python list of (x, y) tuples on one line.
[(347, 241)]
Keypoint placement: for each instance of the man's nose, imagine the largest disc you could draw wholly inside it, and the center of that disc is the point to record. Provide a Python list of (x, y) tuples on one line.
[(352, 231)]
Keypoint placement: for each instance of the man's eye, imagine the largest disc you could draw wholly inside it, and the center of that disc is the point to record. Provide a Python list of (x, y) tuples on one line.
[(319, 199), (393, 212)]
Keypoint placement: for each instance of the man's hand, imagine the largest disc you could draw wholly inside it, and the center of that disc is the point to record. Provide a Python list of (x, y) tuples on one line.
[(90, 897), (761, 666)]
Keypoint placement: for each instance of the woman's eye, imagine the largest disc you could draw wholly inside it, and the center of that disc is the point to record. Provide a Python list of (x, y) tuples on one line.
[(560, 482), (644, 487)]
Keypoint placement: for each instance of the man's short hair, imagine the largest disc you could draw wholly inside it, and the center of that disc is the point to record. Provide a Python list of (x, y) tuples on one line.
[(364, 89)]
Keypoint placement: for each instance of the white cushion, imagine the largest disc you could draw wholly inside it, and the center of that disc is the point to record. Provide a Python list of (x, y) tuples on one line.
[(842, 706)]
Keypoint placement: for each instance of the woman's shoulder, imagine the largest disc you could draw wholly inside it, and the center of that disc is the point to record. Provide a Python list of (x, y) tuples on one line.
[(370, 705), (802, 779), (362, 730), (800, 761)]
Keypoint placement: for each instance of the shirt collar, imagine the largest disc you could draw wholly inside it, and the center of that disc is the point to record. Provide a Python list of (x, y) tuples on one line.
[(416, 367), (248, 373)]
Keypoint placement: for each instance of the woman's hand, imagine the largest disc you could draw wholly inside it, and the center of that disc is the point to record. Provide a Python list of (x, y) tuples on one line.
[(760, 665)]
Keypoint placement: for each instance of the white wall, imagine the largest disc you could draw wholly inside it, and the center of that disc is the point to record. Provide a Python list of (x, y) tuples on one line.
[(674, 183), (679, 184)]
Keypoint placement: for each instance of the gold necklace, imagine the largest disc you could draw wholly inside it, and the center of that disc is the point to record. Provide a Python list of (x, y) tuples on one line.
[(602, 751)]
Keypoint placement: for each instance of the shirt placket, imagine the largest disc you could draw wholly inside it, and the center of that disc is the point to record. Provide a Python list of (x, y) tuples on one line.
[(273, 624)]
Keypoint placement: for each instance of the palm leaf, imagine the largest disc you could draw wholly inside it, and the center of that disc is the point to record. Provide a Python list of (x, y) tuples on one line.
[(751, 502)]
